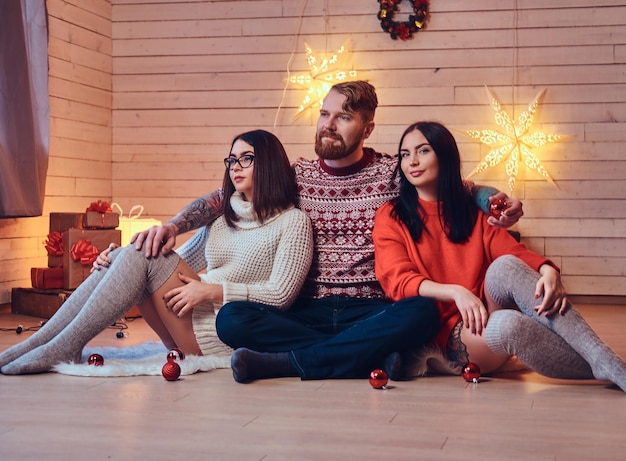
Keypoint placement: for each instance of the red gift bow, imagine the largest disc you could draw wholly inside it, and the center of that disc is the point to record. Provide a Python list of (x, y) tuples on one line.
[(84, 252), (100, 207), (54, 244)]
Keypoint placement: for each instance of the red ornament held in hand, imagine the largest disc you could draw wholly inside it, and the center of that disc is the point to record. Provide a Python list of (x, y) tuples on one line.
[(496, 208), (471, 373)]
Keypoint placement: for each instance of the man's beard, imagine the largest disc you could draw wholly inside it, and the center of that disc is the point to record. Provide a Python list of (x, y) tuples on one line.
[(333, 151)]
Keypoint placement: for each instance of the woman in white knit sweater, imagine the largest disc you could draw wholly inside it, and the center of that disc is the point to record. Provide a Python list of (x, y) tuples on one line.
[(260, 250)]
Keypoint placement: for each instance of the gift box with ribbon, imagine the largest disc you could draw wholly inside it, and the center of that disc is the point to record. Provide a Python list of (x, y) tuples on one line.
[(99, 215), (46, 278), (131, 224), (81, 247), (59, 223), (54, 247)]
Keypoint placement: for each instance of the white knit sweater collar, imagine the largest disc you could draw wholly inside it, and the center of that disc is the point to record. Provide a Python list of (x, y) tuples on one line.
[(245, 211)]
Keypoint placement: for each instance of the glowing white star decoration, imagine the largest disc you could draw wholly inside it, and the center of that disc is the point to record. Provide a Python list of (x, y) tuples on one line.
[(324, 72), (515, 142)]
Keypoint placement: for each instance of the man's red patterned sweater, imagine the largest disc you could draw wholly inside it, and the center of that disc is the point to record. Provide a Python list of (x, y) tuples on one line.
[(342, 204)]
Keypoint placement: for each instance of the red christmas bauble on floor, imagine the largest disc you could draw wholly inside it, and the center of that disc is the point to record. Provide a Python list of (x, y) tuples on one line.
[(171, 371), (471, 373), (175, 354), (96, 360), (378, 379)]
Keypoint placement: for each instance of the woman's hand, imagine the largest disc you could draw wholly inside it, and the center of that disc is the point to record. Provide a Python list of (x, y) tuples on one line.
[(185, 298), (157, 238), (554, 296), (103, 260), (511, 213), (472, 309)]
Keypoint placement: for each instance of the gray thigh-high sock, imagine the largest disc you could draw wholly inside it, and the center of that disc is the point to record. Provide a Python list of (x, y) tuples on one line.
[(510, 281), (62, 317), (115, 291), (509, 332)]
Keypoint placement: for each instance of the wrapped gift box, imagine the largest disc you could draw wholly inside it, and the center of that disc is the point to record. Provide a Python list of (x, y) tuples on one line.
[(80, 248), (37, 302), (54, 247), (132, 223), (60, 222), (45, 303), (46, 277), (96, 220), (55, 261)]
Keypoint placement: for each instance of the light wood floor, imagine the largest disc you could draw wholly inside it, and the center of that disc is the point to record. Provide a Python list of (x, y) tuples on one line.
[(207, 416)]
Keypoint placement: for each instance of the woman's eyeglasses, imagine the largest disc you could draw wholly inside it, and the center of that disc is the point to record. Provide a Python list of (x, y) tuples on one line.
[(245, 161)]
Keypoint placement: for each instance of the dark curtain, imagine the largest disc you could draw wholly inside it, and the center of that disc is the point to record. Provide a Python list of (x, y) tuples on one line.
[(24, 107)]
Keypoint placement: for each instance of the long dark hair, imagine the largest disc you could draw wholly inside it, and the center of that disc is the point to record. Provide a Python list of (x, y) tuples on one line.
[(274, 188), (457, 210)]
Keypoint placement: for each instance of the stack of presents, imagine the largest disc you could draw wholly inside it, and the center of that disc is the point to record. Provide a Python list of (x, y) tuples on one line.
[(73, 243)]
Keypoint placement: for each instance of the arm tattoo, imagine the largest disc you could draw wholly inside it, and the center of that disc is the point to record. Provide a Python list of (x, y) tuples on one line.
[(200, 212)]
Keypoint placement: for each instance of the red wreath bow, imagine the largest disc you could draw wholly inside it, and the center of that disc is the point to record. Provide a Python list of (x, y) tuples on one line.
[(84, 252), (54, 244), (100, 207)]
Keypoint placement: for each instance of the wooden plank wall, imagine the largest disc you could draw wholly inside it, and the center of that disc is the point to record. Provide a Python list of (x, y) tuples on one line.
[(79, 170), (189, 75)]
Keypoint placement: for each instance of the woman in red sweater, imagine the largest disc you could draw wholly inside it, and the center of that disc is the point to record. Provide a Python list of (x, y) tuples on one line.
[(496, 298)]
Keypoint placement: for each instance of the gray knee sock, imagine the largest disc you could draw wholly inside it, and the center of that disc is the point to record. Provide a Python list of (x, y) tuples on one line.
[(115, 291), (57, 322), (510, 280), (509, 332)]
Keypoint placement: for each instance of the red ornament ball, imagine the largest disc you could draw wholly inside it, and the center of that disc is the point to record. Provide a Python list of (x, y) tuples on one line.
[(175, 354), (497, 207), (471, 373), (378, 379), (96, 360), (171, 371)]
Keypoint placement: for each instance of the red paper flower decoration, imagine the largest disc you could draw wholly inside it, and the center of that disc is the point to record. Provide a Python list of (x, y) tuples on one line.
[(402, 30)]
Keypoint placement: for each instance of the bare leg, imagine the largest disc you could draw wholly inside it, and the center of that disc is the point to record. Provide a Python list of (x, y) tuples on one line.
[(480, 353), (179, 328), (149, 314)]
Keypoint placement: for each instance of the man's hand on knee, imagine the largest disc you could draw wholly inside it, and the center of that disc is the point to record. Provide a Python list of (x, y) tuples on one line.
[(157, 238)]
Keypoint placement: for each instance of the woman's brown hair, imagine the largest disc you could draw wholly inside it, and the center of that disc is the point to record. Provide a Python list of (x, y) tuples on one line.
[(274, 180)]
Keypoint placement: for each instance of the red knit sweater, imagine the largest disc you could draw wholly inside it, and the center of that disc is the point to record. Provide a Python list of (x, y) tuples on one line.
[(341, 203), (402, 264)]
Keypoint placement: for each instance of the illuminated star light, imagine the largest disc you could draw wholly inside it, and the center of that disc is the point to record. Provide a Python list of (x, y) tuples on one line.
[(324, 72), (515, 142)]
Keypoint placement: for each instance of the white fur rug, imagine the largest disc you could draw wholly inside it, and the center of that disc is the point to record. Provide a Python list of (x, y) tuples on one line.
[(143, 359)]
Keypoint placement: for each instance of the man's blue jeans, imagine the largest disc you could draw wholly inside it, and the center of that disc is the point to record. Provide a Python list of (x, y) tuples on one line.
[(333, 337)]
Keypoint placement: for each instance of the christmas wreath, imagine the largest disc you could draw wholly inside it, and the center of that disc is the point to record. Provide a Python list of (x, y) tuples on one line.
[(402, 30)]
